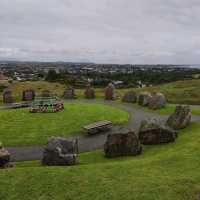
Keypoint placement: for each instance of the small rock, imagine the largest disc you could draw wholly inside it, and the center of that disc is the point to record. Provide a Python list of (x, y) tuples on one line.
[(156, 101), (122, 144), (143, 98), (28, 95), (180, 118), (154, 132), (130, 97), (110, 92), (7, 96), (60, 151), (89, 92), (4, 157)]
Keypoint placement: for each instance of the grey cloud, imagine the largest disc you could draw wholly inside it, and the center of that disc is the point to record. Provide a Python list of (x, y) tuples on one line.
[(130, 31)]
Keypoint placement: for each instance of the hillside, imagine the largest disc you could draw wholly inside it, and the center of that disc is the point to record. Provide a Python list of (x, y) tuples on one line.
[(162, 172), (180, 92), (183, 92)]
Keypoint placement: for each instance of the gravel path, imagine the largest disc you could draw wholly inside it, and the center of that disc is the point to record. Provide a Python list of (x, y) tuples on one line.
[(90, 143)]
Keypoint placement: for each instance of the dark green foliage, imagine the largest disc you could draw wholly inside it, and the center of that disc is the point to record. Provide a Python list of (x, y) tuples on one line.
[(2, 87)]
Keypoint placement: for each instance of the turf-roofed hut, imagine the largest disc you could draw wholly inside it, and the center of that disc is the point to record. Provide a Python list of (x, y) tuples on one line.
[(46, 105)]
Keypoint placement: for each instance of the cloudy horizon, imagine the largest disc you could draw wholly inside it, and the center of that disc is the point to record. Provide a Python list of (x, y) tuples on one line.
[(106, 31)]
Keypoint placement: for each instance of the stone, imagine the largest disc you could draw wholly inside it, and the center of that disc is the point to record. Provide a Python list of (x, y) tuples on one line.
[(89, 92), (130, 97), (60, 151), (156, 101), (143, 98), (7, 97), (122, 144), (69, 93), (4, 157), (46, 93), (28, 95), (152, 131), (110, 92), (180, 118)]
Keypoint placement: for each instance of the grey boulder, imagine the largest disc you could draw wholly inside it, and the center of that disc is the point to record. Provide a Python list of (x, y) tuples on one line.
[(122, 144), (180, 118), (60, 151), (156, 101), (130, 97), (4, 157), (143, 98), (152, 131)]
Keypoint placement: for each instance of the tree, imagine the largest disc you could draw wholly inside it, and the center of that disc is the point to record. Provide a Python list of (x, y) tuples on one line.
[(52, 75)]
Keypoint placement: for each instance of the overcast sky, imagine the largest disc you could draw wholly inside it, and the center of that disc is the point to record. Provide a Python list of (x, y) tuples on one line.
[(102, 31)]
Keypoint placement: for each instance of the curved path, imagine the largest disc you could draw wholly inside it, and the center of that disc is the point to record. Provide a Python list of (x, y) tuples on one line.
[(89, 143)]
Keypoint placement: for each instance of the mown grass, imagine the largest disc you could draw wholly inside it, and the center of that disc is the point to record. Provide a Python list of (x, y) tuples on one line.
[(169, 109), (19, 127), (162, 172)]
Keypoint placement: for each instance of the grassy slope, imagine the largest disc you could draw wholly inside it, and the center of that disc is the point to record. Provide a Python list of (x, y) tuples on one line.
[(185, 92), (169, 109), (17, 88), (163, 172), (19, 127), (182, 92)]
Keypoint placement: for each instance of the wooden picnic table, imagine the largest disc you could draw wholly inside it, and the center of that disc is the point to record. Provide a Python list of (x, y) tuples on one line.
[(97, 127)]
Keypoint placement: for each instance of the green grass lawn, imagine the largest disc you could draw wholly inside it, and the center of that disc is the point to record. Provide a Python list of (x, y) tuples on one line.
[(162, 172), (169, 109), (19, 127)]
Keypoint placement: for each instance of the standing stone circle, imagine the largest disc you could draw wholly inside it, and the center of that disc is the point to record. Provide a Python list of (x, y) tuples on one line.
[(110, 92), (60, 151), (130, 97), (122, 144), (143, 98), (69, 93), (152, 131), (7, 96), (4, 157), (156, 101), (28, 95), (180, 118), (89, 92)]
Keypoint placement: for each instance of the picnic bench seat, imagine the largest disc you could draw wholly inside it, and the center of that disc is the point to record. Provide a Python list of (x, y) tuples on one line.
[(98, 127)]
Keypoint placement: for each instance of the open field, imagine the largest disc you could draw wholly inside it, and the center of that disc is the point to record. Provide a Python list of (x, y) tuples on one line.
[(162, 172), (19, 127), (180, 92)]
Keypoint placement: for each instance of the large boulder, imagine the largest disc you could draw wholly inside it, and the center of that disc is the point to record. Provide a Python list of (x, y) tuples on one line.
[(89, 92), (180, 118), (130, 97), (7, 96), (28, 95), (143, 98), (60, 151), (156, 101), (69, 93), (110, 92), (4, 157), (122, 144), (152, 131)]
